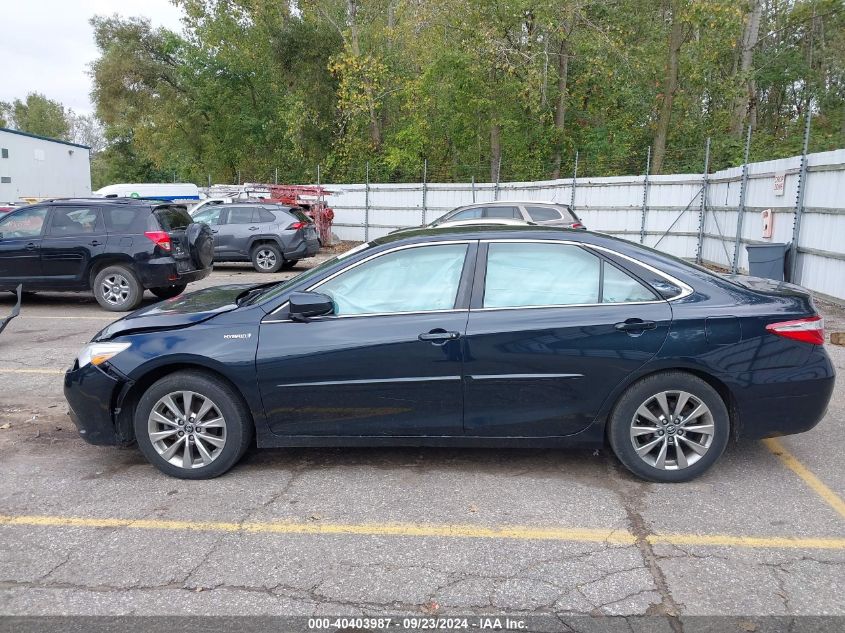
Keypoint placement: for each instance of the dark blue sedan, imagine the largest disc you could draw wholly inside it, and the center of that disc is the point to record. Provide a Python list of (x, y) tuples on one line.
[(474, 336)]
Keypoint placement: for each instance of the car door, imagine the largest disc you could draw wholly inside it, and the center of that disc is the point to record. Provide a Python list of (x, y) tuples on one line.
[(553, 328), (75, 235), (233, 235), (389, 360), (20, 246), (212, 216)]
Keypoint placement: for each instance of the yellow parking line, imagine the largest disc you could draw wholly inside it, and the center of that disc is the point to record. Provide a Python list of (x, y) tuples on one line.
[(11, 370), (818, 486), (514, 532)]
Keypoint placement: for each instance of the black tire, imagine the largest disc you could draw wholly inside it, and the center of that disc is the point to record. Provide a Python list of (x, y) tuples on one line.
[(201, 244), (168, 292), (228, 403), (129, 293), (290, 263), (267, 258), (623, 425)]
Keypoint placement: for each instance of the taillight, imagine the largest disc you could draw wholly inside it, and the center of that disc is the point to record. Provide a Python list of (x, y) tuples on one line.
[(159, 238), (809, 330), (297, 225)]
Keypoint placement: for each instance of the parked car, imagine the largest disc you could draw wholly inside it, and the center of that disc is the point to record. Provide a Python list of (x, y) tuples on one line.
[(543, 213), (208, 202), (271, 236), (179, 191), (115, 247), (501, 336)]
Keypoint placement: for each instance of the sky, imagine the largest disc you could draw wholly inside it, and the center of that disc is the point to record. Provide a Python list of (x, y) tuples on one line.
[(46, 46)]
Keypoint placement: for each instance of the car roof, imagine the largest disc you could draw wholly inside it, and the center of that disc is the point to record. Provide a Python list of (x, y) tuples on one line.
[(508, 203)]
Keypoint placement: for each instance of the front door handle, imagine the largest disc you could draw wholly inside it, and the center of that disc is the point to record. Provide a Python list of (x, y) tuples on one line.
[(635, 325), (214, 230), (253, 228), (438, 336), (95, 243), (31, 246)]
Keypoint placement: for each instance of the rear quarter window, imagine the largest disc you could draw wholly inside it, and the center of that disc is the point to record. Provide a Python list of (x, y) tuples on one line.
[(173, 218), (543, 214), (125, 219)]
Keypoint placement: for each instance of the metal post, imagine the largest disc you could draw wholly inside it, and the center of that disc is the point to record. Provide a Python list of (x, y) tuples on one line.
[(498, 178), (174, 176), (799, 202), (239, 177), (318, 174), (743, 187), (574, 179), (276, 178), (473, 188), (209, 181), (367, 206), (645, 195), (703, 208), (424, 189)]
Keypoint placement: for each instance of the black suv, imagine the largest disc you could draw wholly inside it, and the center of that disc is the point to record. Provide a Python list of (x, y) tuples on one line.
[(116, 247)]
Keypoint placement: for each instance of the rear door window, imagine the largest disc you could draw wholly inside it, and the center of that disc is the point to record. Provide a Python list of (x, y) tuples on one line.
[(508, 213), (69, 221), (265, 217), (241, 215), (174, 218), (543, 214)]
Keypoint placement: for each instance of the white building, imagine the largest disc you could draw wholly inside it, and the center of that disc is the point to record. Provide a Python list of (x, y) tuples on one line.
[(38, 167)]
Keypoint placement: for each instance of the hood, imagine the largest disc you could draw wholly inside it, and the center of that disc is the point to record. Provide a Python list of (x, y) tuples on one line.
[(182, 311)]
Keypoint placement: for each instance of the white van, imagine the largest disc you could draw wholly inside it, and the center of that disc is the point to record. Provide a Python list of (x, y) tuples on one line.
[(159, 190)]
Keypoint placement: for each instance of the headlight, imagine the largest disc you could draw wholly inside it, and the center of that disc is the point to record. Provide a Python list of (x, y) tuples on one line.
[(98, 353)]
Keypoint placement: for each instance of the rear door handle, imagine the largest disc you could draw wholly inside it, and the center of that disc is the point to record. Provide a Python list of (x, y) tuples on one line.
[(635, 325), (95, 243), (253, 228), (439, 336), (31, 246)]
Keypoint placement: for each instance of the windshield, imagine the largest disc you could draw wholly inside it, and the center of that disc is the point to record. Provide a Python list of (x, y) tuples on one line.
[(278, 289)]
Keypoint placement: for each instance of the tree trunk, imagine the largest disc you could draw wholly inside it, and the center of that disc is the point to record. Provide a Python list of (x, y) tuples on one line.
[(562, 99), (746, 105), (495, 151), (355, 46), (670, 85)]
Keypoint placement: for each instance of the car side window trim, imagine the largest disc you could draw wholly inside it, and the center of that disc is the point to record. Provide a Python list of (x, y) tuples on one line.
[(477, 305), (465, 285)]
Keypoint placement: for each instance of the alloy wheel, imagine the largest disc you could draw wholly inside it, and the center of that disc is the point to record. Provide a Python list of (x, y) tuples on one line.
[(265, 258), (115, 289), (187, 429), (672, 430)]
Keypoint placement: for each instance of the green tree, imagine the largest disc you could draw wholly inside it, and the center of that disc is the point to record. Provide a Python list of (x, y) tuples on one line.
[(39, 115)]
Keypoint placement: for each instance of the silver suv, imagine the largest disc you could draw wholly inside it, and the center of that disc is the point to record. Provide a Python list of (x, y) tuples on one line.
[(271, 236), (543, 213)]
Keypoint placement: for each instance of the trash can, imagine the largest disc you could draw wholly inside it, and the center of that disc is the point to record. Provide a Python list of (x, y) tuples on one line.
[(767, 260)]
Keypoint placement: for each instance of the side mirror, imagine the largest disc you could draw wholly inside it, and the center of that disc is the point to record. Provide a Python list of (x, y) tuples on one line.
[(304, 305)]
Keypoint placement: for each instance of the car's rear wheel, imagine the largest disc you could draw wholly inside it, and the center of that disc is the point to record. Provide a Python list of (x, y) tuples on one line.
[(290, 263), (267, 258), (669, 427), (192, 425), (168, 292), (117, 289)]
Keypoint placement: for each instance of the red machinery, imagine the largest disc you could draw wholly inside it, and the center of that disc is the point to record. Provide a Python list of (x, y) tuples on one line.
[(312, 200)]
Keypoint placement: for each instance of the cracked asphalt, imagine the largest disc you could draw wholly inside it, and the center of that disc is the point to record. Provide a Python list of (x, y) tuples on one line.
[(396, 531)]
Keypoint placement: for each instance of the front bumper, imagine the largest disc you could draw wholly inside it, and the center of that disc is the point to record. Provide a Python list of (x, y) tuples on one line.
[(164, 272), (775, 402), (93, 395)]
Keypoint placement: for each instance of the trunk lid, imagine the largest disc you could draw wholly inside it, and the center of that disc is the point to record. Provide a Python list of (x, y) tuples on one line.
[(174, 220), (799, 297), (182, 311)]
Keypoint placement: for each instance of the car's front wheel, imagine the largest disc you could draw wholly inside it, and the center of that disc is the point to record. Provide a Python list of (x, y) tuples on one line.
[(168, 292), (669, 427), (192, 425)]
